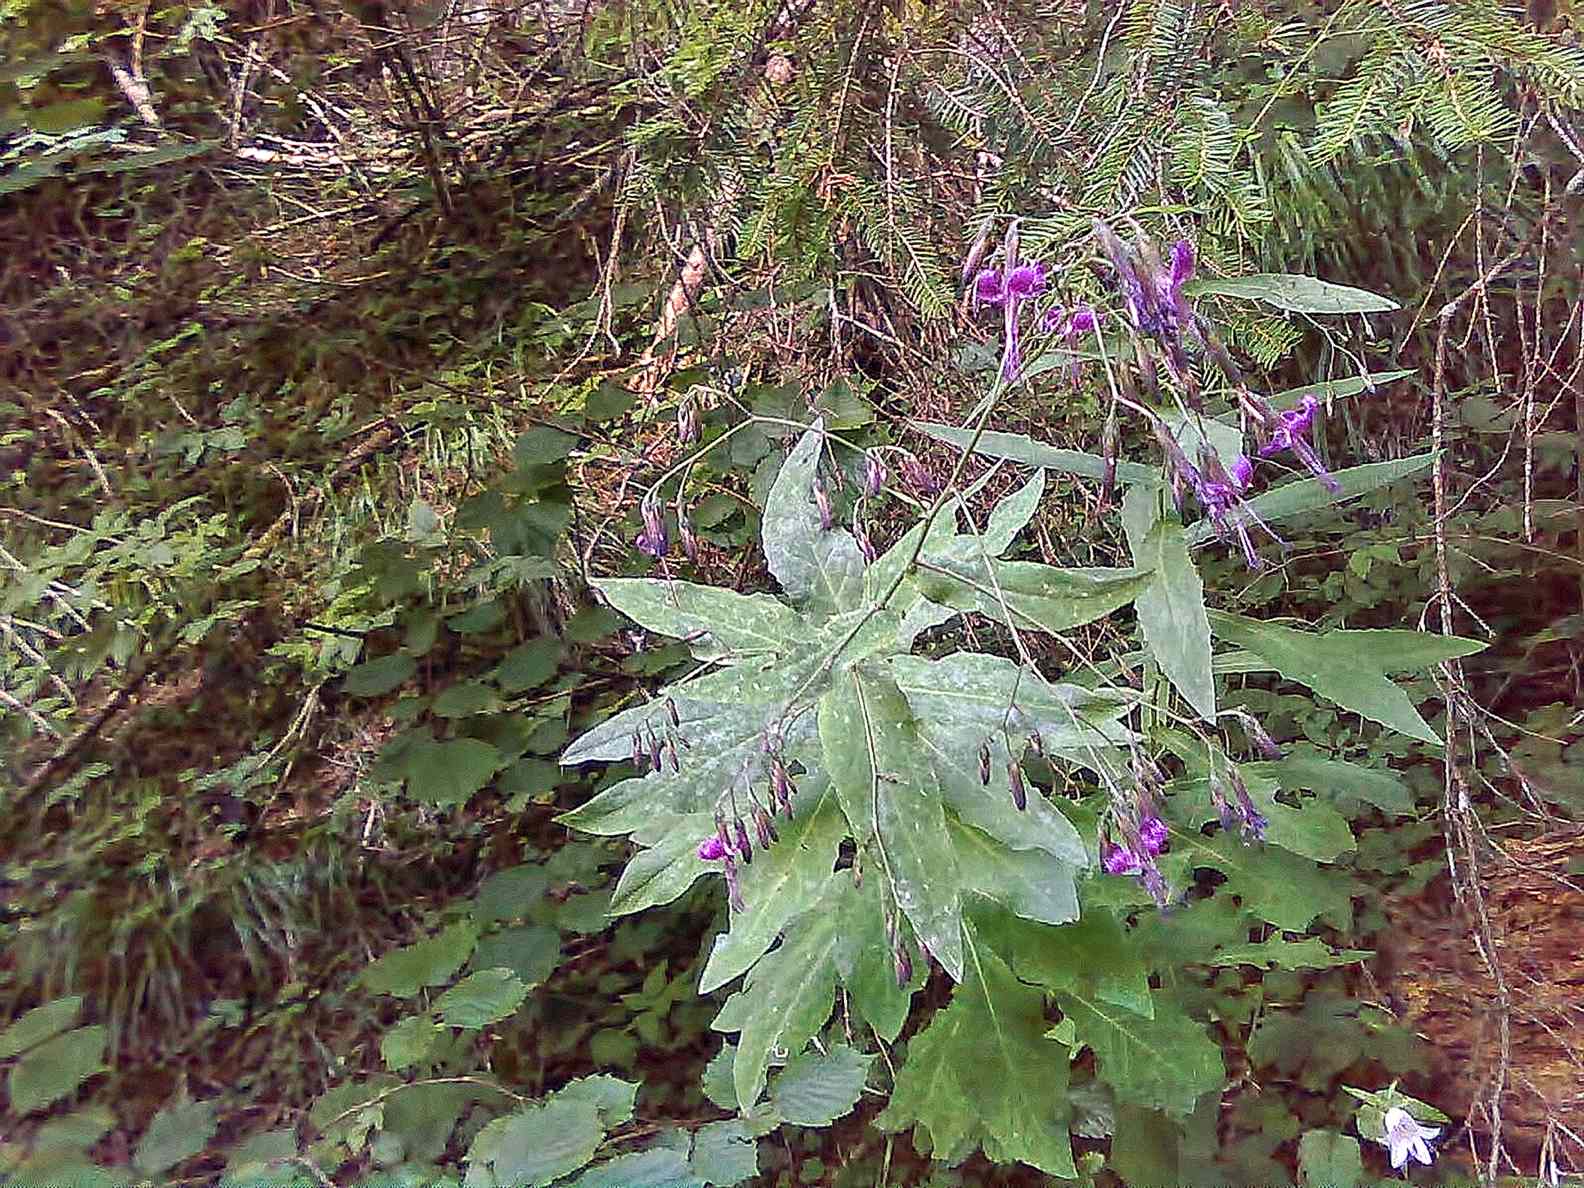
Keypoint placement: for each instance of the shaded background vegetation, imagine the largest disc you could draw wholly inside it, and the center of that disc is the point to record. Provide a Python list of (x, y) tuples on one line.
[(347, 334)]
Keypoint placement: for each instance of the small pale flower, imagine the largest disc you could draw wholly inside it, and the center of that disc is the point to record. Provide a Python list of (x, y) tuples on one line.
[(1406, 1137)]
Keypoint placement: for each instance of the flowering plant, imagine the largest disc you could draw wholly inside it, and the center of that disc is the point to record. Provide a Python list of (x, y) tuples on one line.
[(877, 814)]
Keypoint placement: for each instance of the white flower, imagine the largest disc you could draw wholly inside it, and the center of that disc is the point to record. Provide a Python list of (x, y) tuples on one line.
[(1406, 1137)]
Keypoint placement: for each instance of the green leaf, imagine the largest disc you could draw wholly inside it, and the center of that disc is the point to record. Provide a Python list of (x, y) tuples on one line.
[(864, 961), (734, 622), (511, 894), (1015, 447), (1171, 613), (787, 996), (1031, 883), (1278, 887), (871, 744), (1310, 828), (38, 1025), (1091, 956), (1337, 389), (612, 1096), (1144, 1147), (542, 445), (410, 1042), (1293, 293), (1012, 514), (55, 1068), (1327, 1159), (1338, 777), (482, 998), (982, 1071), (816, 1088), (657, 1168), (820, 567), (530, 665), (464, 699), (1162, 1063), (538, 1144), (532, 952), (724, 1153), (446, 774), (375, 678), (431, 962), (718, 1085), (1308, 494), (1039, 597), (178, 1132), (57, 119), (422, 1116), (1278, 953), (783, 884), (76, 1131), (662, 871), (1349, 667)]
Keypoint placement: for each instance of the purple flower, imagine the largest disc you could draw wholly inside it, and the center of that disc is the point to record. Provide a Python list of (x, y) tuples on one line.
[(822, 501), (1027, 280), (1053, 319), (1152, 835), (654, 539), (1291, 432), (1182, 269), (1241, 472), (866, 546), (874, 475), (989, 288), (712, 849), (1084, 319), (1119, 860)]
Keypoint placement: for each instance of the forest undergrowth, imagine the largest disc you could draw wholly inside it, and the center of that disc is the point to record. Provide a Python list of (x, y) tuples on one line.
[(837, 594)]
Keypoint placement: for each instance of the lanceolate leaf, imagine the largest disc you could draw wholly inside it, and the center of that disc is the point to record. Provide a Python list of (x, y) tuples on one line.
[(818, 567), (1038, 597), (782, 884), (1166, 1062), (1012, 515), (1349, 667), (1296, 294), (983, 1072), (1311, 828), (1307, 953), (1305, 495), (914, 854), (1015, 447), (864, 961), (734, 622), (1171, 613), (788, 994), (1337, 389), (1030, 883)]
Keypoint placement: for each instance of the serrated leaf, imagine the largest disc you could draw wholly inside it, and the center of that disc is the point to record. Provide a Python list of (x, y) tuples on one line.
[(1165, 1062), (816, 1088), (38, 1025), (724, 1153), (818, 567), (613, 1097), (529, 666), (719, 1087), (539, 1144), (1171, 614), (1092, 956), (423, 1115), (787, 995), (446, 774), (76, 1131), (1293, 293), (410, 1042), (1349, 667), (740, 623), (783, 884), (531, 952), (982, 1070), (1278, 887), (1015, 447), (1029, 882), (1338, 777), (55, 1068), (431, 962), (482, 998), (657, 1168), (1327, 1159), (375, 678), (178, 1132), (1291, 499)]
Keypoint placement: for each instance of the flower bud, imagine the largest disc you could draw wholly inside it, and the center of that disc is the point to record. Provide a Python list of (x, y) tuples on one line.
[(764, 828), (640, 755), (743, 848), (866, 546), (690, 546), (903, 961), (1118, 859), (733, 886), (671, 712), (688, 426), (874, 475), (655, 750), (984, 764), (1037, 742), (822, 502), (671, 752), (1019, 788)]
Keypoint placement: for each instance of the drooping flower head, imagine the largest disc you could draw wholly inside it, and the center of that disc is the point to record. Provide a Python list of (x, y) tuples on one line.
[(1119, 860), (1152, 835), (1289, 430), (653, 540), (988, 288), (1405, 1136)]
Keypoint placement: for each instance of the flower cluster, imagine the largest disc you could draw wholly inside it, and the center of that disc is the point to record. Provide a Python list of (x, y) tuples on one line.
[(1236, 811), (730, 843), (1016, 282), (655, 541), (1139, 833)]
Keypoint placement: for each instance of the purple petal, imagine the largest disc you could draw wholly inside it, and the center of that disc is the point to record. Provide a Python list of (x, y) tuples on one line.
[(1242, 471), (1182, 264), (988, 289), (711, 849), (1026, 280)]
